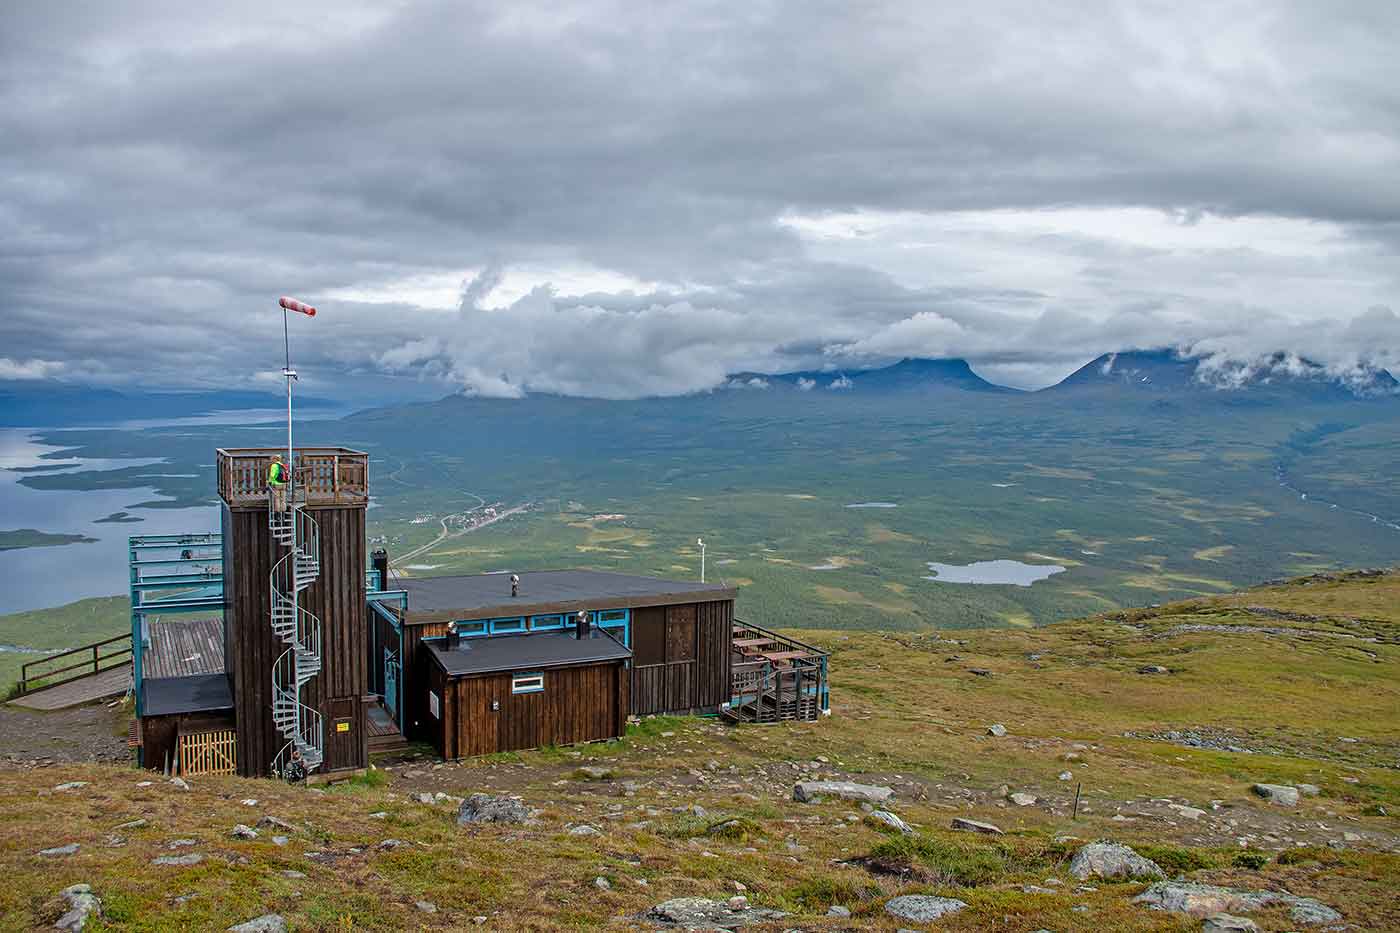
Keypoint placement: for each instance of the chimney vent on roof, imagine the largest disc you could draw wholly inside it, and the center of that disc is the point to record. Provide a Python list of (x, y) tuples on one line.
[(581, 625), (515, 584)]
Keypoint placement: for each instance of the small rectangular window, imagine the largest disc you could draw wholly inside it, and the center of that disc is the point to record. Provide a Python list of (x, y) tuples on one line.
[(612, 617), (500, 626), (527, 683), (543, 623), (469, 629)]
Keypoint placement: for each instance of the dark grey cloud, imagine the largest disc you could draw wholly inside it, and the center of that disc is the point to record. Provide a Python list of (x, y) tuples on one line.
[(773, 185)]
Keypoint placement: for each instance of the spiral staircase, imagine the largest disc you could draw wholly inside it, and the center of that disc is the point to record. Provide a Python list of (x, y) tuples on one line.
[(299, 630)]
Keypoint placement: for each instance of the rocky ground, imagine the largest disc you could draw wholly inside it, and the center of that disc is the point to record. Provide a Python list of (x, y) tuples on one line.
[(1250, 783)]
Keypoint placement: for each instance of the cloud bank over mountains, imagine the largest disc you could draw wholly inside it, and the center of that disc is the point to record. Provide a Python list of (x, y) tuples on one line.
[(600, 199)]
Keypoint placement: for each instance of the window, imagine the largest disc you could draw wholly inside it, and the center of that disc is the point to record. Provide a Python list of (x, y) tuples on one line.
[(542, 623), (617, 620), (527, 683), (501, 626), (470, 629)]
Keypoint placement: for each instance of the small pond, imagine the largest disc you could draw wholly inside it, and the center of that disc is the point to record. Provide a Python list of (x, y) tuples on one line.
[(1003, 572)]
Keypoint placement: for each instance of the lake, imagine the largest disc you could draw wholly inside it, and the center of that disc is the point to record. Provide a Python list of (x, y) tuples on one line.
[(997, 572)]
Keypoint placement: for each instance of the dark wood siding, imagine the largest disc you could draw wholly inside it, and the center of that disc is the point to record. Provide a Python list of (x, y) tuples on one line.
[(417, 724), (337, 597), (578, 704), (681, 657)]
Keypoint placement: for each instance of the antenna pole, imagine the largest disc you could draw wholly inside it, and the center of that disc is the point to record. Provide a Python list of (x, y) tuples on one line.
[(287, 371)]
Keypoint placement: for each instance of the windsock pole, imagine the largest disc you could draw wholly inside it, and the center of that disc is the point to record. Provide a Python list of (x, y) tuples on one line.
[(291, 304)]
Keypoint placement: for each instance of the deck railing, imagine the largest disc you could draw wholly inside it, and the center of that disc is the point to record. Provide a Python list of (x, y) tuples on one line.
[(94, 661), (324, 475)]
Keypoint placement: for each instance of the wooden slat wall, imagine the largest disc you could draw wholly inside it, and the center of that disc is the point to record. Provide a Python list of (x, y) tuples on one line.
[(681, 657), (578, 704), (337, 597)]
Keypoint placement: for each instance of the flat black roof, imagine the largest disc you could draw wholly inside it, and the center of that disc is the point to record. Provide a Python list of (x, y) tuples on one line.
[(163, 696), (487, 595), (529, 652)]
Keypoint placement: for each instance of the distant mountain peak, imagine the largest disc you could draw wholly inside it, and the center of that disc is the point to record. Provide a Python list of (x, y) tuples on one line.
[(911, 374), (1168, 370)]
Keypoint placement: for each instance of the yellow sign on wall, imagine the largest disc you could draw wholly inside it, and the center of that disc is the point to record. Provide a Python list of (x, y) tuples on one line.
[(342, 727)]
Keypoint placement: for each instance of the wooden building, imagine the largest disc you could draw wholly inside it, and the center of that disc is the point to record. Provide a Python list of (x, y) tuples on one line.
[(319, 660), (678, 633), (515, 692), (332, 493)]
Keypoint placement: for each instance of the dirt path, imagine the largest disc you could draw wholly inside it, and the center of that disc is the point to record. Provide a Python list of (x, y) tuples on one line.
[(96, 732)]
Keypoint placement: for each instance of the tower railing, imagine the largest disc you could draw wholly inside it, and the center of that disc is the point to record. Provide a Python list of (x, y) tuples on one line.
[(297, 628)]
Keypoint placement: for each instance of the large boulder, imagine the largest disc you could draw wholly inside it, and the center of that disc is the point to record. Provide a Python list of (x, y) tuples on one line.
[(892, 821), (486, 808), (82, 906), (701, 913), (267, 923), (922, 908), (1204, 900), (1279, 794), (1227, 923), (812, 791), (963, 824), (1112, 861)]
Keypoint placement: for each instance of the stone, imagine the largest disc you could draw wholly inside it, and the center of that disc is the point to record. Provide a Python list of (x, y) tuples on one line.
[(272, 822), (1112, 861), (59, 851), (485, 808), (279, 840), (602, 884), (428, 907), (1227, 923), (267, 923), (181, 861), (1185, 812), (179, 783), (82, 906), (836, 910), (996, 729), (1066, 776), (1308, 790), (132, 824), (583, 829), (1023, 800), (973, 826), (244, 832), (738, 902), (294, 875), (388, 844), (892, 821), (70, 785), (1204, 900), (1153, 669), (1278, 794), (921, 908), (1036, 889), (423, 798), (595, 773), (703, 913), (810, 791)]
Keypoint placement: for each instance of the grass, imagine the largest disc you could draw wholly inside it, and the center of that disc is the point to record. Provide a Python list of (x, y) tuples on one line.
[(904, 715)]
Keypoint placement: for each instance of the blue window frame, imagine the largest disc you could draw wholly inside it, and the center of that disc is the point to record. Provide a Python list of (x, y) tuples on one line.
[(527, 683), (501, 626), (619, 620), (545, 623), (471, 629)]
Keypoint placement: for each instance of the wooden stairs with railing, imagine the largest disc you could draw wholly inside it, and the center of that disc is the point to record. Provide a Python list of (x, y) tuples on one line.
[(775, 678)]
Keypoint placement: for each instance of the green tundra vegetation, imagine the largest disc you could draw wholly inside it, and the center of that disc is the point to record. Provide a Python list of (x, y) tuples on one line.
[(1163, 718)]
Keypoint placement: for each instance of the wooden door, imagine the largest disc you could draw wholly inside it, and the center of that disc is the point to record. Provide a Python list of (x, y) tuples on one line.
[(680, 658)]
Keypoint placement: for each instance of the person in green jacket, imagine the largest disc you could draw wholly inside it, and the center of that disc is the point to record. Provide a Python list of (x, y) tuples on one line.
[(277, 482)]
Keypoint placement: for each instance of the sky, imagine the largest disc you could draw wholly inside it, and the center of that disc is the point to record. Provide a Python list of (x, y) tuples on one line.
[(623, 200)]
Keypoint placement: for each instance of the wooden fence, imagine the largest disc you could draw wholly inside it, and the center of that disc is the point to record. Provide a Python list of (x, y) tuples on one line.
[(208, 752), (36, 674)]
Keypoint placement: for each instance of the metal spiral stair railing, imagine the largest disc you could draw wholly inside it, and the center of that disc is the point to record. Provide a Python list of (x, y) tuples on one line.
[(300, 631)]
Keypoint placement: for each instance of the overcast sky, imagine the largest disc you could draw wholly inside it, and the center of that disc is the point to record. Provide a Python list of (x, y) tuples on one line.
[(625, 199)]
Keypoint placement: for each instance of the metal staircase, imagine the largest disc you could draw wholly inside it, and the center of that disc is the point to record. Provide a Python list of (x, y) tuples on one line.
[(299, 630)]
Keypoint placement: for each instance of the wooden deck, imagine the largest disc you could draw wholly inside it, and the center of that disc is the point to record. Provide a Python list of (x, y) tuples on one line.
[(109, 683), (184, 648)]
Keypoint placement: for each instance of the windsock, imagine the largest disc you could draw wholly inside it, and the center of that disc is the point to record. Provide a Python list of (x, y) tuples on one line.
[(291, 304)]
